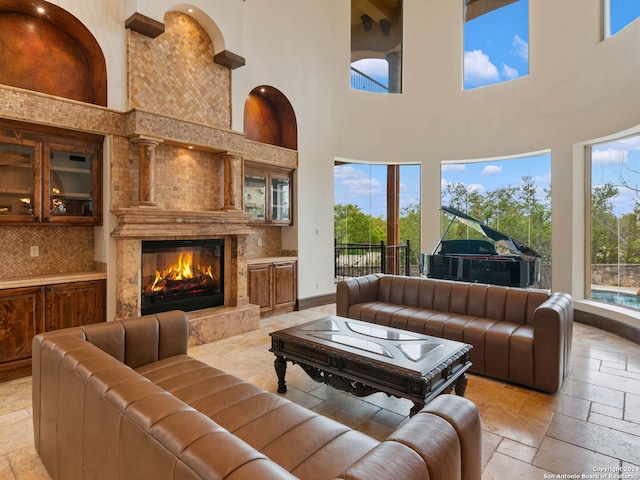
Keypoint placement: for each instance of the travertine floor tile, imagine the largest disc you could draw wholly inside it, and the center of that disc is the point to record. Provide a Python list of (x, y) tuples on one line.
[(561, 457), (593, 422), (502, 466), (597, 438)]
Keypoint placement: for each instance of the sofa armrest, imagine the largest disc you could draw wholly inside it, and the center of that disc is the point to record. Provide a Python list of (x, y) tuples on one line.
[(356, 290), (552, 336), (441, 442)]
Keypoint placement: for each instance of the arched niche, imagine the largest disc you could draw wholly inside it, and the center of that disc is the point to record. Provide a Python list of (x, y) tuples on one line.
[(269, 118), (48, 50)]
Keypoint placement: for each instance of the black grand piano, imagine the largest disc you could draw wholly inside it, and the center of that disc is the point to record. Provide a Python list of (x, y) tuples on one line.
[(498, 259)]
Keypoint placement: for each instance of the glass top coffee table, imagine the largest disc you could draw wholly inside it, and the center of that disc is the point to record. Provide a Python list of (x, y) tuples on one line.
[(364, 358)]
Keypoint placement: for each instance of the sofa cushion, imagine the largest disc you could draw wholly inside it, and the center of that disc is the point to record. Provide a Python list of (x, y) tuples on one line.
[(298, 439)]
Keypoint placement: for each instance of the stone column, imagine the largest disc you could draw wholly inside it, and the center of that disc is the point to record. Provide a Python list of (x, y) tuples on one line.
[(231, 172), (146, 169), (394, 59)]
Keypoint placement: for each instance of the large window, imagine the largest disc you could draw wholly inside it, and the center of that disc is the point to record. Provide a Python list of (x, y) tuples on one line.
[(615, 222), (496, 41), (361, 194), (618, 14), (511, 196), (376, 46)]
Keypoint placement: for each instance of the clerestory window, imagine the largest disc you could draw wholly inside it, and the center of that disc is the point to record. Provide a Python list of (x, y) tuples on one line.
[(496, 41), (618, 14), (376, 45)]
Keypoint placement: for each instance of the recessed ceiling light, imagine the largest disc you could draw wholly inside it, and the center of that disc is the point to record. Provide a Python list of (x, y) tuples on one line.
[(40, 10), (190, 147), (191, 10)]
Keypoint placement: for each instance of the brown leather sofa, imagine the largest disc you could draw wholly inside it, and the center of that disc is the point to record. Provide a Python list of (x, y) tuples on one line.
[(123, 400), (518, 335)]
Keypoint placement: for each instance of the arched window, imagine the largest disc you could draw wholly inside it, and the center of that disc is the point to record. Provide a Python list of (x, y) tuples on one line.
[(376, 45)]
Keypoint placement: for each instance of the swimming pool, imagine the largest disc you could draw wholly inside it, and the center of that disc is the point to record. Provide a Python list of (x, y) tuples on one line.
[(630, 300)]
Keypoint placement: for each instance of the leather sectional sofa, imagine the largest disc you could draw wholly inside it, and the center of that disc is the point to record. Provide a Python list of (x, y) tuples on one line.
[(518, 335), (123, 400)]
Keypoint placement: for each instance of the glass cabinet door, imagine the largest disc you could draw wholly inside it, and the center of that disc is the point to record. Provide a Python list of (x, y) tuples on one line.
[(19, 184), (70, 184), (280, 200), (255, 187)]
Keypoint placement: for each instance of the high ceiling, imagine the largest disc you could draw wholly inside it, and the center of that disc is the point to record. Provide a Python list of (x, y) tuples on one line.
[(376, 10), (376, 25)]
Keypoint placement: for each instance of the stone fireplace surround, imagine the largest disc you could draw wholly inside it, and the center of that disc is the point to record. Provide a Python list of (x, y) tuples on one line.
[(140, 223)]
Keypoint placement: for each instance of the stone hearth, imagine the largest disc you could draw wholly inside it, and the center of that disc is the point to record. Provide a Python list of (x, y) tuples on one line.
[(136, 224)]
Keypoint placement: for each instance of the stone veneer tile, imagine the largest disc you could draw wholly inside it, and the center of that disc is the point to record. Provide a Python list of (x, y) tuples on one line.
[(175, 74), (62, 249)]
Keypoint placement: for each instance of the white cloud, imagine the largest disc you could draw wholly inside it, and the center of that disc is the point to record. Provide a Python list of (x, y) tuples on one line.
[(509, 72), (629, 143), (356, 182), (609, 156), (521, 47), (491, 170), (475, 187), (546, 178), (453, 167), (478, 69)]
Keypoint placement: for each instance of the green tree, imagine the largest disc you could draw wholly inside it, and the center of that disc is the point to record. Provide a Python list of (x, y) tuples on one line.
[(352, 225), (410, 230), (604, 225)]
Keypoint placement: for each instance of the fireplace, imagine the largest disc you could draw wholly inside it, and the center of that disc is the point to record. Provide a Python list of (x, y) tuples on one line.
[(181, 274)]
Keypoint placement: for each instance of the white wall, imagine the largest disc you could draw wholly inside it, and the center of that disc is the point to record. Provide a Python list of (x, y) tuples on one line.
[(579, 89)]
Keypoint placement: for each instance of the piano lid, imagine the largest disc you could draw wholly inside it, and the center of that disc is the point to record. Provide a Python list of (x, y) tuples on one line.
[(500, 238)]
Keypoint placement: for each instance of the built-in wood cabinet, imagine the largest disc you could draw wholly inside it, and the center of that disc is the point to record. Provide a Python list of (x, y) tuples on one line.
[(21, 317), (25, 312), (49, 175), (267, 194), (75, 304), (273, 286)]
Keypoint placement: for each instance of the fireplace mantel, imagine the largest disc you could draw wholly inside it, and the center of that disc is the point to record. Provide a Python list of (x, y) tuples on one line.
[(147, 223)]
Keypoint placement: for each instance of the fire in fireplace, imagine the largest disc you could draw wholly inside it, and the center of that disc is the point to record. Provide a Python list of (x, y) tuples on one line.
[(182, 274)]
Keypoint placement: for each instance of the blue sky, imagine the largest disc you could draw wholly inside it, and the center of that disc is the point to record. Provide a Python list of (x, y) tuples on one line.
[(614, 161), (488, 175), (496, 47), (366, 186)]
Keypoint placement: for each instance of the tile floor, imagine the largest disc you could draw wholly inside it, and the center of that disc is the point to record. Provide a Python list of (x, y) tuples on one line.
[(593, 423)]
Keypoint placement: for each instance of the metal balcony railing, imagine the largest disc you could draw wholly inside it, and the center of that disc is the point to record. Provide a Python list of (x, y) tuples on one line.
[(362, 81), (357, 259)]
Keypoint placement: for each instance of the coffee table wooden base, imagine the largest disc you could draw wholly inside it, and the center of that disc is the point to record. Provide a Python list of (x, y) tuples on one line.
[(356, 388)]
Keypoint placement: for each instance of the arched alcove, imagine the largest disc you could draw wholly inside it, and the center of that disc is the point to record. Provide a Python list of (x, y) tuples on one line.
[(48, 50), (269, 118)]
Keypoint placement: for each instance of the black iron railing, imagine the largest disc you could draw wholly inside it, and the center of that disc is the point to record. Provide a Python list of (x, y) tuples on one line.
[(362, 81), (357, 259)]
